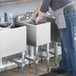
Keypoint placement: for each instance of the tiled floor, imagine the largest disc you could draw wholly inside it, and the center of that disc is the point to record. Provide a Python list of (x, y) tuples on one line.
[(29, 71)]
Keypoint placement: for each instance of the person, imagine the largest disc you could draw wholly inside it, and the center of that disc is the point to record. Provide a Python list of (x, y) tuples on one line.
[(65, 18)]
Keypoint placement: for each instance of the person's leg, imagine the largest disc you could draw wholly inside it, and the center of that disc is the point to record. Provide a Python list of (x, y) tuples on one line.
[(68, 61), (69, 43), (67, 47), (63, 62), (65, 36)]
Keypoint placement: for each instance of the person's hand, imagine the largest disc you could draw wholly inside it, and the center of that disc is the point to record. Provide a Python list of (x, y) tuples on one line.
[(39, 17)]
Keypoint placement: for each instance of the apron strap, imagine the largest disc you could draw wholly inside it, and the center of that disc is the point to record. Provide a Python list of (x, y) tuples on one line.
[(73, 2)]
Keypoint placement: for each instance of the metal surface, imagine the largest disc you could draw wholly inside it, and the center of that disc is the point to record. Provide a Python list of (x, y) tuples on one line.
[(37, 34), (20, 63), (55, 54), (36, 60), (12, 41), (47, 58), (23, 64)]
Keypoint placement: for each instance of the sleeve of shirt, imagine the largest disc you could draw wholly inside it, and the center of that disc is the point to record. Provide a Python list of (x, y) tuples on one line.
[(45, 5)]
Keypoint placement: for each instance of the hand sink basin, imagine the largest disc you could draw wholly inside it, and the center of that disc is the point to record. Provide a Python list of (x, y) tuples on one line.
[(39, 34)]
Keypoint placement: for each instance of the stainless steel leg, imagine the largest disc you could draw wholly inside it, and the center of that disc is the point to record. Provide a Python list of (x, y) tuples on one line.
[(29, 51), (36, 60), (56, 56), (23, 64), (41, 52), (0, 61), (47, 59)]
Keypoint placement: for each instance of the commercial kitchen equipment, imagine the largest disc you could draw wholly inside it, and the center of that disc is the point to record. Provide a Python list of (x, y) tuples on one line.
[(13, 41), (37, 35)]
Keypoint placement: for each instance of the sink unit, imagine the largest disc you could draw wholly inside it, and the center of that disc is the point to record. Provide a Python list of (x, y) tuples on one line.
[(39, 34), (12, 41)]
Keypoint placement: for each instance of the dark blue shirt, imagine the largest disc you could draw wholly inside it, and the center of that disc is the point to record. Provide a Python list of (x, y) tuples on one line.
[(54, 4)]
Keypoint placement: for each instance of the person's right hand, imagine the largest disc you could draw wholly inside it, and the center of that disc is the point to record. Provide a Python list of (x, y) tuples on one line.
[(39, 17)]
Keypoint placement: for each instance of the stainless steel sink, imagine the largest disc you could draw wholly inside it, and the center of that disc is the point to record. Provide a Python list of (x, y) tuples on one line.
[(39, 34), (12, 41)]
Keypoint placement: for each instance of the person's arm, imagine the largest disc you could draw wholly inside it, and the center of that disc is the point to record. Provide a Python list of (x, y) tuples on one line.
[(43, 9), (45, 5), (35, 12)]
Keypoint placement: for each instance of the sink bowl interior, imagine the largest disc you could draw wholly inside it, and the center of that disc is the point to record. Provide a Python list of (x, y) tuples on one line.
[(44, 20)]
